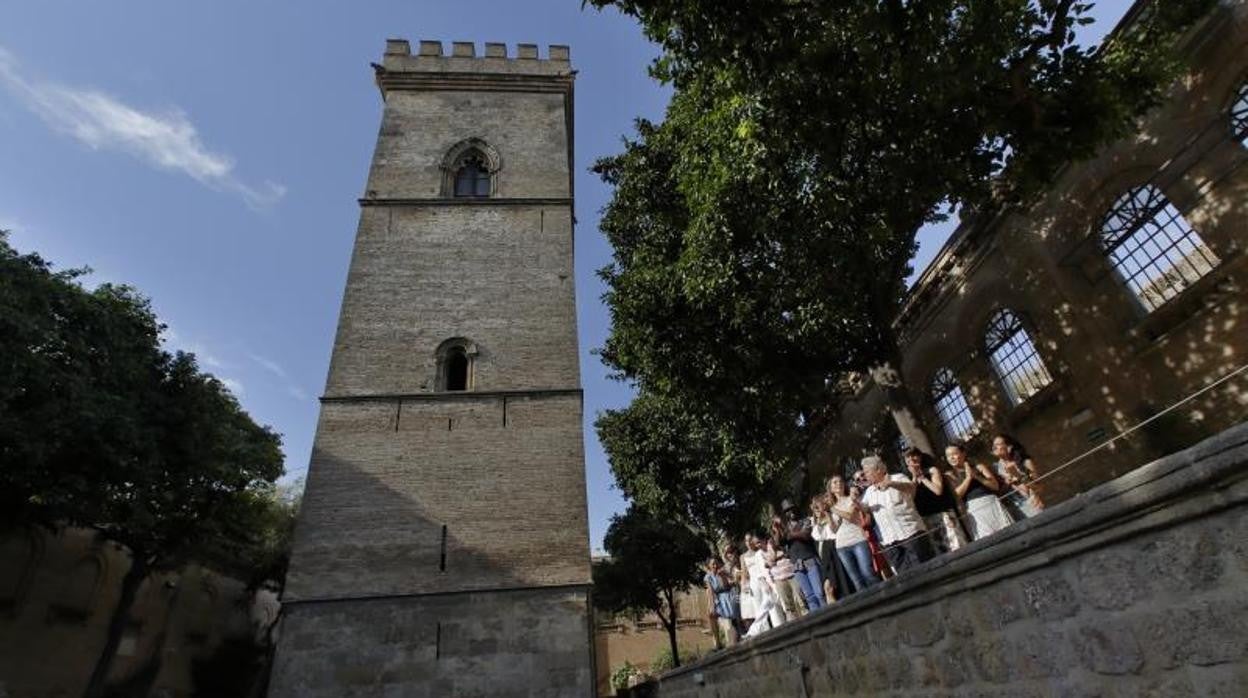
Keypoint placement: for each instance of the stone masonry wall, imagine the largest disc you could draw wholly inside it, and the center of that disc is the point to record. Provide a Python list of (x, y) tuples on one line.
[(500, 276), (1136, 588), (516, 644), (384, 490)]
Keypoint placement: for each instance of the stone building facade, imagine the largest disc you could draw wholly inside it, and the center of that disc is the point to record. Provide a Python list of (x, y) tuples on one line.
[(442, 547), (1119, 294), (58, 592)]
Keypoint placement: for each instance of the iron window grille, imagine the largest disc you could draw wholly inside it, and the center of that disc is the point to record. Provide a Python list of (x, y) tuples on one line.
[(1014, 357), (1152, 247), (1239, 114), (952, 410)]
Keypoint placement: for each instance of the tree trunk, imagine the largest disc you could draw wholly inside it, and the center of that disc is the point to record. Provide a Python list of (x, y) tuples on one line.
[(887, 375), (671, 637), (670, 624), (117, 625)]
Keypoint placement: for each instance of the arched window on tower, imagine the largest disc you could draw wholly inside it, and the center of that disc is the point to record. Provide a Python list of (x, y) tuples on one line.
[(456, 357), (1014, 357), (456, 369), (954, 415), (1239, 114), (1152, 248), (472, 178)]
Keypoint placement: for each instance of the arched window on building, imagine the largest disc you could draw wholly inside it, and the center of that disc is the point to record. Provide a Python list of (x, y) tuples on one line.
[(472, 178), (952, 410), (1152, 248), (1239, 114), (1014, 357), (455, 364), (457, 369), (470, 170)]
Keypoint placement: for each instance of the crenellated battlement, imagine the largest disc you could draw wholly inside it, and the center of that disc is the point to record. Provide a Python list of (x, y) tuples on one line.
[(400, 61)]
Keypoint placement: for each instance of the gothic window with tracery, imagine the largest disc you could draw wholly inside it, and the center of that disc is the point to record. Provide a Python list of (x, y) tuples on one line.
[(952, 410), (1152, 248), (1014, 357), (472, 179)]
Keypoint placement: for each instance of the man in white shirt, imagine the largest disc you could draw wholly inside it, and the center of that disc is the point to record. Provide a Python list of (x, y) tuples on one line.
[(891, 502)]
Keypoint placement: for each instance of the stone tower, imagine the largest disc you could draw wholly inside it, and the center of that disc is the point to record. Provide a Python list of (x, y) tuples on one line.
[(442, 548)]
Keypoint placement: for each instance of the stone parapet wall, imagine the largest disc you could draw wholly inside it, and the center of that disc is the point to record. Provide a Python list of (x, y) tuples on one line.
[(1137, 587)]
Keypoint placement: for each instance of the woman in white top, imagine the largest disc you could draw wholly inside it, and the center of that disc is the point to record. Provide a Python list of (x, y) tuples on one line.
[(851, 539), (767, 613)]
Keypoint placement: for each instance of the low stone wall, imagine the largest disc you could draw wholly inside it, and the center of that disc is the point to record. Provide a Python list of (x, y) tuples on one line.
[(1138, 587)]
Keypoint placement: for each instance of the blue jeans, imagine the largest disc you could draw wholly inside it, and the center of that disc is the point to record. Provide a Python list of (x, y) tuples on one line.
[(856, 559), (810, 579)]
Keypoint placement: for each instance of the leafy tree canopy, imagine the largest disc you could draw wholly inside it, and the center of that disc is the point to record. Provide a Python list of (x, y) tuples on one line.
[(651, 562), (763, 231), (102, 428)]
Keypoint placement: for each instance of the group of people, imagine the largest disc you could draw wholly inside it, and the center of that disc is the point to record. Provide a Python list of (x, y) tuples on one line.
[(861, 532)]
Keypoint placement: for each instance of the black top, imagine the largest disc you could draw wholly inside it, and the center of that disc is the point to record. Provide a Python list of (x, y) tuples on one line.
[(928, 502), (977, 490), (796, 548)]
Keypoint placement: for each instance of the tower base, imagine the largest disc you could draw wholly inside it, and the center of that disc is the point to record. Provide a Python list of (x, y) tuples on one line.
[(518, 643)]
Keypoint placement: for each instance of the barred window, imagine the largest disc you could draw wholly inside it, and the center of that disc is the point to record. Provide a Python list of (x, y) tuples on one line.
[(1239, 114), (1014, 357), (1152, 248), (952, 411)]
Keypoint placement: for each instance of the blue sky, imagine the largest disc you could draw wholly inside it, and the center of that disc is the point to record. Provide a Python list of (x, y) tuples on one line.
[(211, 154)]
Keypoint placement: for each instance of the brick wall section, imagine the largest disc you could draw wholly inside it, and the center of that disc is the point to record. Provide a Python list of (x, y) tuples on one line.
[(512, 497), (500, 276), (1138, 587), (418, 128), (518, 644)]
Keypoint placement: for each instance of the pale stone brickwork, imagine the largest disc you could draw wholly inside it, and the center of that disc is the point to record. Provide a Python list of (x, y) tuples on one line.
[(1112, 363), (1136, 588), (455, 515), (508, 644)]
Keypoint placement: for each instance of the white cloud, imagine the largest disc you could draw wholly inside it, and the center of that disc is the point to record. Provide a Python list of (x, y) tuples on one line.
[(276, 369), (296, 392), (269, 365), (234, 385), (167, 140)]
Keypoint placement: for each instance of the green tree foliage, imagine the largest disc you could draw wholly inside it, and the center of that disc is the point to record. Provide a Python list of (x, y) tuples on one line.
[(673, 458), (102, 428), (763, 231), (651, 562)]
